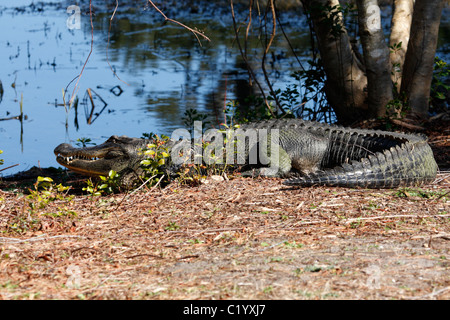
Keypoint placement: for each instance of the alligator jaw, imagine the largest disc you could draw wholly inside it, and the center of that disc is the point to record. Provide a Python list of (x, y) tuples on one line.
[(88, 161), (77, 164)]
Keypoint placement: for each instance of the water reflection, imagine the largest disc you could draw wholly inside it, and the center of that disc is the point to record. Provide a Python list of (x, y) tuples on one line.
[(164, 68)]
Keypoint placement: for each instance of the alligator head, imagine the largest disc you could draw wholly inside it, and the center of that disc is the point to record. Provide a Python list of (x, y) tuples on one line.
[(121, 154)]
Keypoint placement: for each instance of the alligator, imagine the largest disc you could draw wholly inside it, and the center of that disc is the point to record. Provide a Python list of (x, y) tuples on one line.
[(308, 153)]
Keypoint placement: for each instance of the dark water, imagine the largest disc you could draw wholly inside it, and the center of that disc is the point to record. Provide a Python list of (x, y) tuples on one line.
[(163, 70)]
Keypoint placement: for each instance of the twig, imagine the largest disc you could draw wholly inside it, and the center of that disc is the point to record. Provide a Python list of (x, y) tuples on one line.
[(142, 185), (266, 51), (434, 293), (14, 165), (92, 104), (89, 55), (83, 248), (396, 216), (444, 236), (90, 91), (407, 125), (290, 44), (442, 195), (195, 32), (107, 44), (134, 191), (38, 238), (249, 68), (441, 179), (159, 181), (11, 118), (189, 256), (437, 141), (219, 230), (144, 255)]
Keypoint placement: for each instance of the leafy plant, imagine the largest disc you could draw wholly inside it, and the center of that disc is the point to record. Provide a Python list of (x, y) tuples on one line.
[(45, 192), (305, 99), (109, 184), (289, 97), (38, 200), (426, 194), (331, 16), (293, 244), (156, 157), (172, 226), (396, 108), (84, 142), (313, 104), (439, 89), (92, 188), (190, 116), (253, 109), (1, 160), (396, 67)]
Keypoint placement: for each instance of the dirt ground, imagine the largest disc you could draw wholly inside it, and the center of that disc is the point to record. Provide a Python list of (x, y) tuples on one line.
[(235, 239)]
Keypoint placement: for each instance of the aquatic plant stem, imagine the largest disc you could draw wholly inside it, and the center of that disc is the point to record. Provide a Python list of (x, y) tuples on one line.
[(244, 57), (87, 59)]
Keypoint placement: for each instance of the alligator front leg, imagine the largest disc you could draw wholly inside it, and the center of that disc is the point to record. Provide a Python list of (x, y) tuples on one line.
[(278, 166)]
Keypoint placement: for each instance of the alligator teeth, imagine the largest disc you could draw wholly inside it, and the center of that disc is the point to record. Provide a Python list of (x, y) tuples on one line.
[(79, 157)]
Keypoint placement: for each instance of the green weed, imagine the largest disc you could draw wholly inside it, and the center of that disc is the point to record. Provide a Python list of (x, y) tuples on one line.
[(84, 142), (38, 200), (45, 192), (156, 157), (107, 185), (172, 226), (426, 194)]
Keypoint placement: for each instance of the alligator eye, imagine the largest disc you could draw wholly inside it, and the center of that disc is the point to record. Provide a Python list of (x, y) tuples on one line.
[(112, 139)]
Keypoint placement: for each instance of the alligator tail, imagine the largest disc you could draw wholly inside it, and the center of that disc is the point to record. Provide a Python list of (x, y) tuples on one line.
[(407, 164)]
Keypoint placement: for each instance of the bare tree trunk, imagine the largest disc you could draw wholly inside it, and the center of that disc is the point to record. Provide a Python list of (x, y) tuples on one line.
[(419, 60), (400, 31), (346, 82), (376, 57)]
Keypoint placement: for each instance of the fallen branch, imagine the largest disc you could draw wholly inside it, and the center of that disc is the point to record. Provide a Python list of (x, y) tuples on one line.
[(407, 125)]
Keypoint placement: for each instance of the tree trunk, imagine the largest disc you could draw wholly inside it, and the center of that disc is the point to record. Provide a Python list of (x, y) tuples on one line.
[(419, 60), (376, 57), (346, 82), (361, 89), (400, 31)]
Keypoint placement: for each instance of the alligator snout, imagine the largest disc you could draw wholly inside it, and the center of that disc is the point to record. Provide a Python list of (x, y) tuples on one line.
[(63, 148)]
